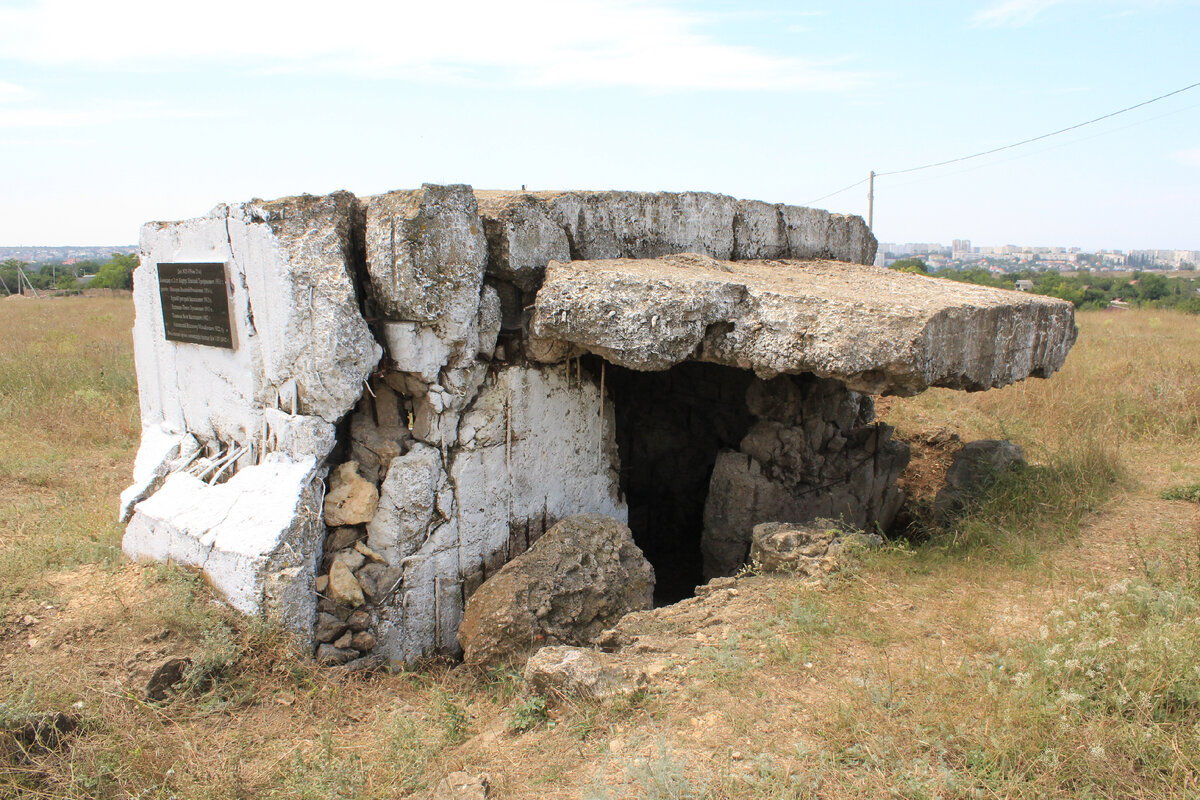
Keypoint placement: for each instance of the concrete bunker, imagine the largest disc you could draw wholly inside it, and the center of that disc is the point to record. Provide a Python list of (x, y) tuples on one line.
[(415, 385)]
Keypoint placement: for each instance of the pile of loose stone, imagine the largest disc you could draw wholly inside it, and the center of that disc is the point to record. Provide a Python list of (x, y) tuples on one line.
[(354, 578)]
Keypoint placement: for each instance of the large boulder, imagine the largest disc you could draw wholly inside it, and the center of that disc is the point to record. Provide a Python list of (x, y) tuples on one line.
[(877, 330), (975, 467), (578, 579)]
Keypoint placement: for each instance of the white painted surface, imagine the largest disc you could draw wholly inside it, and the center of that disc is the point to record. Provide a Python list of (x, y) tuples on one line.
[(240, 534)]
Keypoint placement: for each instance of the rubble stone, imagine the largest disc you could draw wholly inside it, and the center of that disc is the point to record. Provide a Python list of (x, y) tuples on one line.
[(576, 580), (341, 538), (351, 500), (328, 627), (344, 588), (329, 655), (575, 672), (975, 467)]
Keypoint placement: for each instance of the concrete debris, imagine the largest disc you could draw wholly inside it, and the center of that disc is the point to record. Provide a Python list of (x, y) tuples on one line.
[(575, 672), (579, 578), (809, 550), (256, 536)]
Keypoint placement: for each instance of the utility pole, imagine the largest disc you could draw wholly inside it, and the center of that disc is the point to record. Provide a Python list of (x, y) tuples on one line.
[(871, 203), (28, 282)]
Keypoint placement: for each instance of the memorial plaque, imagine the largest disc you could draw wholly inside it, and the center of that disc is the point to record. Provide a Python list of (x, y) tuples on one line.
[(196, 303)]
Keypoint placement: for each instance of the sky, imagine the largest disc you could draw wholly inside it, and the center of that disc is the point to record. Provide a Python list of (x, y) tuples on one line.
[(116, 113)]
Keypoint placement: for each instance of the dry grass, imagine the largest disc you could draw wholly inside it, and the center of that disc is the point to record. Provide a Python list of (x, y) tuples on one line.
[(68, 431), (1042, 647)]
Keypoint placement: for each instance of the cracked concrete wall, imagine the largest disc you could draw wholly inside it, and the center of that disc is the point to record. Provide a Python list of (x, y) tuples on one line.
[(234, 441)]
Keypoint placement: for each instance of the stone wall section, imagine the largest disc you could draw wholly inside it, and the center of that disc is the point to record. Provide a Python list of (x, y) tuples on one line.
[(813, 452)]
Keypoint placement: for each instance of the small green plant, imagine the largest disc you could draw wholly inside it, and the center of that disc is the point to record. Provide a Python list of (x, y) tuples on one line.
[(454, 720), (529, 714), (1189, 493)]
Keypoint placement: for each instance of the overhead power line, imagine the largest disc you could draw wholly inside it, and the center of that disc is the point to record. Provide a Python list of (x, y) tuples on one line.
[(1038, 138), (839, 191), (1014, 144)]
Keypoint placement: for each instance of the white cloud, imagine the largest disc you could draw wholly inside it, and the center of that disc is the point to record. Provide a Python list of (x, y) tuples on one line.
[(1191, 157), (43, 117), (10, 92), (1013, 12), (644, 43)]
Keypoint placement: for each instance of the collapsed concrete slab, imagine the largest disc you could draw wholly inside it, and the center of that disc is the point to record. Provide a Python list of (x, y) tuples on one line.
[(356, 412), (255, 537), (877, 330)]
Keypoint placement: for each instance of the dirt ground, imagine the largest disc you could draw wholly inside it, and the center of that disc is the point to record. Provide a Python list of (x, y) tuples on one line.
[(875, 683), (744, 687)]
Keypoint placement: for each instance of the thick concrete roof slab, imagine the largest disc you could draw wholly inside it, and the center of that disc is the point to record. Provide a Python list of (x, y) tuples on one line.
[(878, 330)]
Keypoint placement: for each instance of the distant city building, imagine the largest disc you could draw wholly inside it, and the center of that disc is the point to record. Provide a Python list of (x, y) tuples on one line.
[(1010, 257)]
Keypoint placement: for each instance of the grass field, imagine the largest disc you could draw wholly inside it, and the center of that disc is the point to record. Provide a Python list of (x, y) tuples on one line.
[(1043, 646)]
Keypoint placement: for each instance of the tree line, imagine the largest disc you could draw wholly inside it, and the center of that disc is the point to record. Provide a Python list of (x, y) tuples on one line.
[(116, 273), (1084, 289)]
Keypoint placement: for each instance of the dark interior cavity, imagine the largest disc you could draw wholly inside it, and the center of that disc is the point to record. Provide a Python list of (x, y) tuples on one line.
[(670, 427)]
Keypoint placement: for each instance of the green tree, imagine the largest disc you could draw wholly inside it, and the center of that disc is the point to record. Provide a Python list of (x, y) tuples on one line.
[(116, 273)]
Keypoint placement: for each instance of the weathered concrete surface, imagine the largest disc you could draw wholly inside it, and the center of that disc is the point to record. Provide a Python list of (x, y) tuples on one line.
[(426, 256), (254, 537), (879, 331), (302, 344), (583, 575), (158, 449), (812, 453), (527, 230), (534, 446)]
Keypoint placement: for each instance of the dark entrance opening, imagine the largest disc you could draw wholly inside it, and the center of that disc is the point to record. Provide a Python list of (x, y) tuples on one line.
[(670, 427)]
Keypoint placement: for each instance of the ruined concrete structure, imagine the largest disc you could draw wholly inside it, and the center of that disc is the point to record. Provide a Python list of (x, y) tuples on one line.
[(422, 382)]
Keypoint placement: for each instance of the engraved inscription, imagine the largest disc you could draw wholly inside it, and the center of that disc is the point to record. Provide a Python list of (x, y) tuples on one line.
[(195, 303)]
